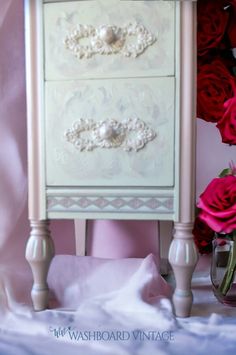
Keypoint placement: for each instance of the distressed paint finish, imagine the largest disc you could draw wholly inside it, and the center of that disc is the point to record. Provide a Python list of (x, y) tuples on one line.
[(61, 18), (151, 100)]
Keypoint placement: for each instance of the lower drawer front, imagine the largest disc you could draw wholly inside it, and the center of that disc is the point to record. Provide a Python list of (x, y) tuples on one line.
[(110, 132)]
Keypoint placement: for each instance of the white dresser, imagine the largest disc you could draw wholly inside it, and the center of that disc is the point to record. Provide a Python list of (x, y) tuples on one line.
[(111, 116)]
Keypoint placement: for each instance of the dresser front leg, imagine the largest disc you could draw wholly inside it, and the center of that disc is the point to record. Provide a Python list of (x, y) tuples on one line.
[(39, 253), (183, 257)]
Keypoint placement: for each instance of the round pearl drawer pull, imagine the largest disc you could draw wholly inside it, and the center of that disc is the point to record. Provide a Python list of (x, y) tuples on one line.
[(106, 131), (107, 34)]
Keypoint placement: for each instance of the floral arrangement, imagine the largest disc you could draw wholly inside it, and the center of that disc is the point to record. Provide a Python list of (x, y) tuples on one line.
[(216, 76), (217, 213), (216, 103), (216, 93)]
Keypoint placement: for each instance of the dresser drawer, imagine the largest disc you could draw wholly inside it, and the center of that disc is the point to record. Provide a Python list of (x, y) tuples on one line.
[(110, 132), (107, 38)]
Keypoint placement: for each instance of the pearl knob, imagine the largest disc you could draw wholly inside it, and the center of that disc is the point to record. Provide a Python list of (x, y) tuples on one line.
[(106, 132), (107, 34)]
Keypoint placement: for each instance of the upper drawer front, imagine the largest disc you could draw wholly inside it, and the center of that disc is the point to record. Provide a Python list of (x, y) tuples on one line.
[(107, 38), (110, 132)]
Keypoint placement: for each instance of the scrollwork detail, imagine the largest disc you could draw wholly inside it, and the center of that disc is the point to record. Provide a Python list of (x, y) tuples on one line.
[(131, 134), (107, 40)]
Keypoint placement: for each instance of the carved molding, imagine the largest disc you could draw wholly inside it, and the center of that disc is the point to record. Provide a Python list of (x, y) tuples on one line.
[(131, 134), (157, 204), (107, 40)]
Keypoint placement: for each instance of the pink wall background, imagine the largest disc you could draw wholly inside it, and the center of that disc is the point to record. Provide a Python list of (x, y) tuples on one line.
[(105, 238)]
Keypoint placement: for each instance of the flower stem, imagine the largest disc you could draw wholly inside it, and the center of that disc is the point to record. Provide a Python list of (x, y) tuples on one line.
[(230, 269)]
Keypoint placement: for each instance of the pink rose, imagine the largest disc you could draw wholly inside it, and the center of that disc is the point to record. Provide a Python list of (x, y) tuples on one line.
[(218, 204), (227, 124), (231, 29)]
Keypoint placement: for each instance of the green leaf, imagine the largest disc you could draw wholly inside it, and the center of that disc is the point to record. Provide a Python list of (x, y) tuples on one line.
[(225, 172)]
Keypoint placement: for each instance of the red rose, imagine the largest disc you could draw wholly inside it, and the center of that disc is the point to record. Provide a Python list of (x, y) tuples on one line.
[(231, 30), (203, 236), (212, 22), (227, 125), (215, 85), (218, 204)]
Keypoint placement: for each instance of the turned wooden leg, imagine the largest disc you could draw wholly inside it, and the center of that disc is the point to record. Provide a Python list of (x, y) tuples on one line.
[(39, 253), (183, 258)]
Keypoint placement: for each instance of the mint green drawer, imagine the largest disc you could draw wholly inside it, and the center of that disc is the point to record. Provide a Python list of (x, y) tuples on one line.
[(110, 132), (112, 39)]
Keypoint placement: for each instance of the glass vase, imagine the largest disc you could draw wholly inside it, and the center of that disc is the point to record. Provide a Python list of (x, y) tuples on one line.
[(223, 268)]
